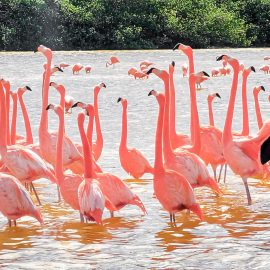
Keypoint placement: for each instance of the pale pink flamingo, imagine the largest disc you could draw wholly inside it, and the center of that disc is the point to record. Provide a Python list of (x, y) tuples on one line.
[(185, 69), (184, 161), (64, 65), (69, 102), (266, 58), (172, 189), (265, 69), (131, 159), (242, 155), (91, 198), (15, 200), (77, 68), (215, 72), (256, 91), (177, 139), (87, 69), (113, 60)]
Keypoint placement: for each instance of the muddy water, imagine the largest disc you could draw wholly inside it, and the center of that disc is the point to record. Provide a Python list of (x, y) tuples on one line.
[(233, 235)]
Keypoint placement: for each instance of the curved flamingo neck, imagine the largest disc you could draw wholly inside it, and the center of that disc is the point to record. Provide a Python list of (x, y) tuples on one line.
[(227, 131), (210, 112), (3, 133), (123, 142), (7, 88), (258, 110), (62, 99), (28, 129), (167, 147), (87, 145), (245, 129), (59, 171), (43, 127), (173, 133), (158, 166), (14, 119), (99, 139), (190, 61)]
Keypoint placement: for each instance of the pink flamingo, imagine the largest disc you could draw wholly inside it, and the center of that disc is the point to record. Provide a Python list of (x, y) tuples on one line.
[(64, 65), (203, 76), (77, 68), (265, 69), (14, 118), (171, 188), (242, 155), (132, 71), (185, 69), (131, 159), (215, 72), (177, 139), (69, 102), (210, 99), (184, 161), (15, 200), (91, 199), (256, 91), (6, 85), (87, 69), (113, 60)]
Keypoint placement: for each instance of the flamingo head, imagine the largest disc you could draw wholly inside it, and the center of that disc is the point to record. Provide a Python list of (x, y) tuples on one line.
[(162, 74), (56, 108), (212, 96), (6, 84), (232, 61), (89, 110), (184, 48), (98, 87), (247, 71), (79, 104), (22, 90), (171, 67), (59, 87), (47, 52), (123, 101), (56, 69), (257, 89)]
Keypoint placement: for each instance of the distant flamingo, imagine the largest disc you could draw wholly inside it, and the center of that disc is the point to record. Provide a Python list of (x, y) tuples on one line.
[(265, 69), (203, 76), (132, 160), (132, 71), (185, 69), (242, 155), (171, 189), (215, 72), (144, 65), (256, 91), (113, 60), (69, 102), (64, 65), (87, 69), (184, 161), (15, 200), (91, 198), (266, 58), (77, 68), (177, 139)]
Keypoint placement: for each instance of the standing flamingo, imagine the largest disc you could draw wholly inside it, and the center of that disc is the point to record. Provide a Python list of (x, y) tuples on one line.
[(256, 91), (15, 200), (131, 159), (77, 68), (172, 189), (184, 160), (91, 199), (113, 60)]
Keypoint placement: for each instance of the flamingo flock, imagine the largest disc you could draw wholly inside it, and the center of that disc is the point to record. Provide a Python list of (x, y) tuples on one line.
[(181, 160)]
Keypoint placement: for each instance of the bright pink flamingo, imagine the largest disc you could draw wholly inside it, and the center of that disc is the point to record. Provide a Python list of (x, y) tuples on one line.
[(131, 159), (184, 161), (177, 139), (113, 60), (242, 155), (256, 91), (15, 200), (202, 76), (91, 199), (171, 188), (77, 68)]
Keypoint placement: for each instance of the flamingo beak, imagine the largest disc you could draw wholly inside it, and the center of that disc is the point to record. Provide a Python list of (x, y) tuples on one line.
[(173, 64), (150, 71), (104, 85), (49, 107), (119, 99), (220, 57), (28, 88), (75, 104), (253, 69), (206, 74), (217, 95), (176, 46), (150, 93), (262, 87), (61, 70)]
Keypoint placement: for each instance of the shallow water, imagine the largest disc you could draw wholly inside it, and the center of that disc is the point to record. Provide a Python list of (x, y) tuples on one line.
[(233, 235)]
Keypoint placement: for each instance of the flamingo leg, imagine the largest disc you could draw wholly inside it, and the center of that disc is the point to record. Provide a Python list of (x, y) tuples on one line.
[(9, 223), (81, 218), (174, 222), (225, 173), (112, 215), (15, 223), (247, 190), (59, 194), (171, 219), (215, 173), (220, 172), (35, 192)]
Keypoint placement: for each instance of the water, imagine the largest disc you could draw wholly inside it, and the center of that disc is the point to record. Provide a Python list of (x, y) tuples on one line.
[(233, 235)]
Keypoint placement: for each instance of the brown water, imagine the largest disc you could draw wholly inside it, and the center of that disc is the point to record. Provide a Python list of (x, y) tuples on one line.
[(233, 235)]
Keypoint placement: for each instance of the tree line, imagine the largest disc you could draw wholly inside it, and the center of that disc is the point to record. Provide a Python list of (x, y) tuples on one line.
[(133, 24)]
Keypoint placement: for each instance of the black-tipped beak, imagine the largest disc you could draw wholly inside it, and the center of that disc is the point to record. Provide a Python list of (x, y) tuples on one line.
[(86, 112), (51, 83), (217, 95), (119, 99), (150, 71), (253, 69), (60, 69), (176, 46), (173, 63), (75, 104), (262, 87), (206, 74), (104, 85), (48, 107), (28, 88), (150, 93), (220, 57)]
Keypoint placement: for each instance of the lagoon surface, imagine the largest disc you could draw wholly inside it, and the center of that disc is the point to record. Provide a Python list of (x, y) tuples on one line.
[(233, 235)]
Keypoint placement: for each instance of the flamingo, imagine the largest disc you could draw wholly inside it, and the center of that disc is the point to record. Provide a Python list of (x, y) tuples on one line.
[(6, 85), (242, 155), (77, 68), (210, 99), (64, 65), (184, 160), (113, 60), (202, 76), (266, 58), (131, 159), (15, 200), (69, 102), (215, 72), (172, 189), (91, 198), (185, 69), (87, 69), (177, 139), (14, 118), (265, 69), (256, 91)]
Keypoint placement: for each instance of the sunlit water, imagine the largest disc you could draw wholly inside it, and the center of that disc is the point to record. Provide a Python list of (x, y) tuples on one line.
[(233, 236)]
